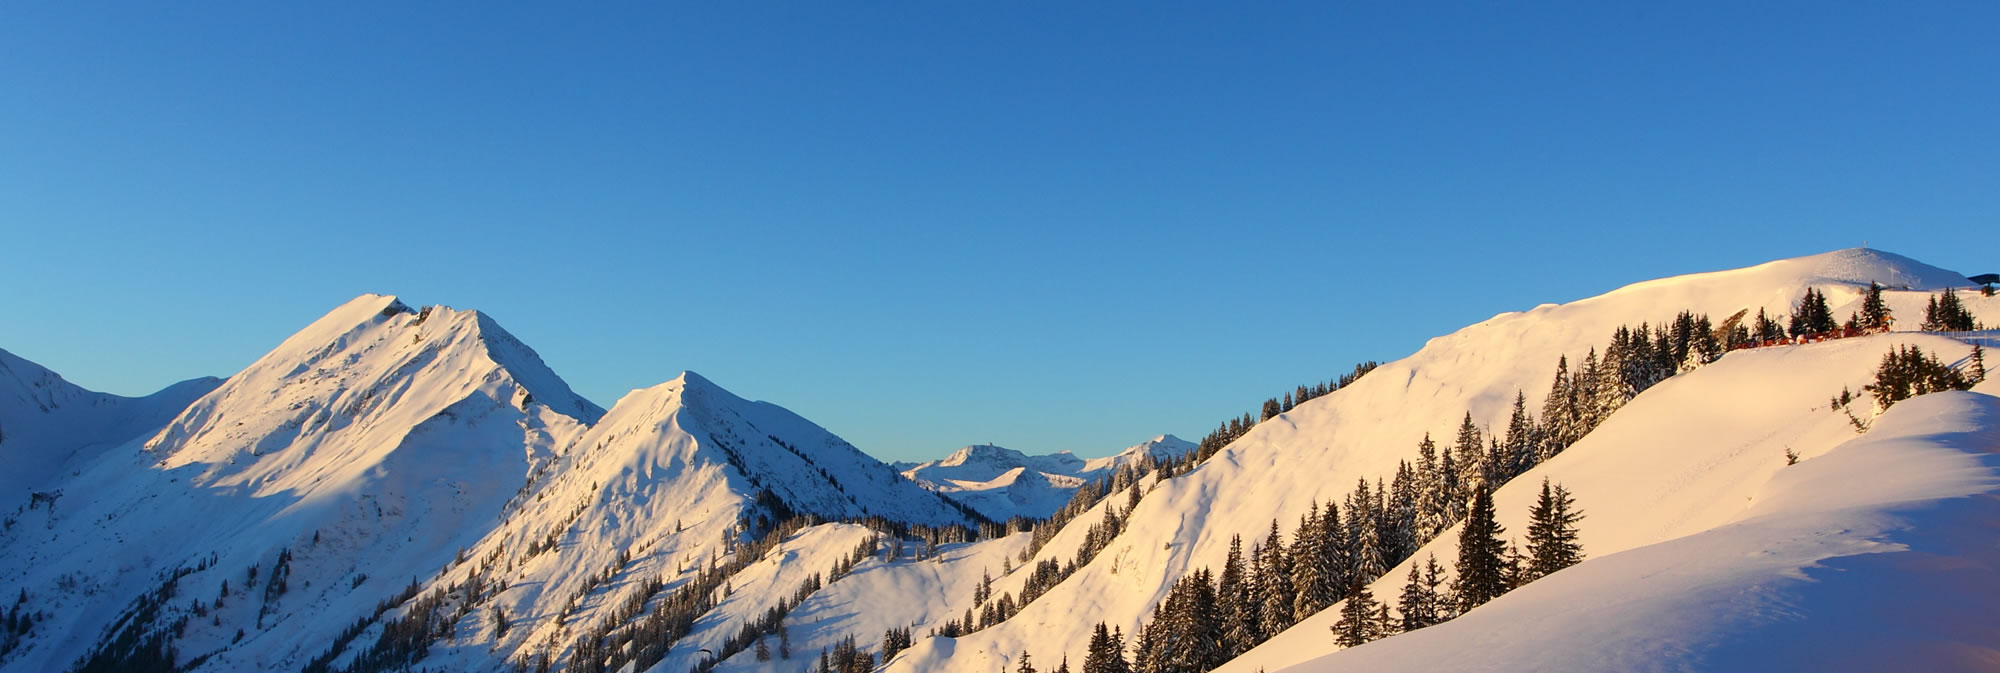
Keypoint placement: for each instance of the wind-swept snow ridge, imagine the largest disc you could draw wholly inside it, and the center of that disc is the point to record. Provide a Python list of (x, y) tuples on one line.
[(49, 426), (1874, 555), (1318, 451), (372, 443)]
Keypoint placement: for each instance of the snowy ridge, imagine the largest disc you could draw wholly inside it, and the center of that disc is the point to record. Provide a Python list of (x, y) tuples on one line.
[(381, 444), (1317, 451), (1858, 558), (372, 443), (48, 423)]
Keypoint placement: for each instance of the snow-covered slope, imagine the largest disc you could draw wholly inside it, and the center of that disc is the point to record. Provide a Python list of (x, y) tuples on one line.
[(48, 424), (1710, 553), (383, 445), (428, 462), (1316, 452), (374, 442), (1002, 483)]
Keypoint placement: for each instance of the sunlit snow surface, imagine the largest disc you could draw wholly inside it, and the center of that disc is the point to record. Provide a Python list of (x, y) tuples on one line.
[(382, 440)]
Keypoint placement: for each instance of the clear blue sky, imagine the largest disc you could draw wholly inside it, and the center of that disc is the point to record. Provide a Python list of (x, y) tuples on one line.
[(923, 225)]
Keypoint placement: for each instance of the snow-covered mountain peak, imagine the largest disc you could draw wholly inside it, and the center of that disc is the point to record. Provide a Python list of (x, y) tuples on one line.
[(985, 454), (1003, 483), (351, 387), (691, 421), (1163, 446), (1850, 266)]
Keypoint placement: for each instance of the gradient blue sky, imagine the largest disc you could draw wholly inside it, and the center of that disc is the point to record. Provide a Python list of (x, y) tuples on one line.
[(923, 225)]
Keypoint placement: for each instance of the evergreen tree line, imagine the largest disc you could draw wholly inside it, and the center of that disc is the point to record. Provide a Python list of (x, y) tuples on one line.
[(1206, 619), (1946, 313), (623, 636), (773, 619), (895, 640), (1045, 574), (619, 639), (1086, 497), (1812, 318), (1907, 371), (138, 642), (1334, 556), (1234, 428), (1486, 568), (406, 639), (845, 657)]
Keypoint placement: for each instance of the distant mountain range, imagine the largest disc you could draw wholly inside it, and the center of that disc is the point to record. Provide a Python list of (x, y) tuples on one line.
[(1002, 483)]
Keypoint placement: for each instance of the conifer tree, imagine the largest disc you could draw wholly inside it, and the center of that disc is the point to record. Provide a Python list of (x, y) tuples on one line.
[(1430, 492), (1471, 453), (1520, 451), (1385, 625), (1559, 418), (1415, 606), (1423, 601), (1874, 311), (1513, 567), (1812, 315), (1143, 659), (1451, 489), (1119, 664), (1640, 361), (1095, 654), (1552, 532), (1978, 364), (1493, 471), (1357, 625), (1337, 541), (1907, 372), (1100, 655), (1230, 593), (1026, 666), (1276, 613), (1312, 572), (1765, 328), (1205, 638), (1947, 314), (1399, 520), (1481, 563), (1368, 560), (1249, 620), (1589, 383)]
